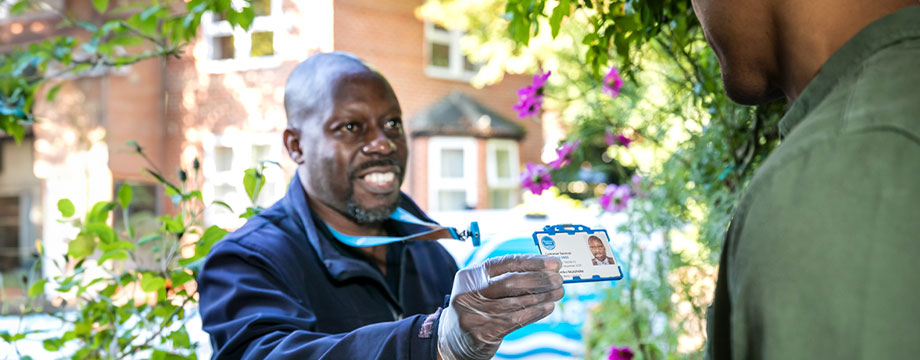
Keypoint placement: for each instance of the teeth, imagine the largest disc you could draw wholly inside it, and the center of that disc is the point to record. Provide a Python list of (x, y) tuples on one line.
[(377, 178)]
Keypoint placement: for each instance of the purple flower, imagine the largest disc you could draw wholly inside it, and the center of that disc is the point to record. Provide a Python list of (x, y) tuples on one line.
[(564, 154), (623, 353), (637, 186), (618, 139), (615, 197), (612, 82), (536, 178), (531, 97)]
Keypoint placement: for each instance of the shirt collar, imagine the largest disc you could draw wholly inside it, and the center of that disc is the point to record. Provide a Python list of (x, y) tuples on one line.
[(887, 31)]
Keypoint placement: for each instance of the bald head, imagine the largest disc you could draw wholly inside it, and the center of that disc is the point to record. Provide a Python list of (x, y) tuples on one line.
[(309, 89)]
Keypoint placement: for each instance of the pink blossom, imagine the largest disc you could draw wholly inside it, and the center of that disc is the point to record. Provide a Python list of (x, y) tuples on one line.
[(564, 154), (617, 139), (615, 197), (624, 353), (531, 97), (613, 83), (536, 178)]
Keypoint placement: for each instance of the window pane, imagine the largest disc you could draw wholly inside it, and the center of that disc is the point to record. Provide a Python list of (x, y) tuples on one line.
[(440, 55), (452, 163), (223, 158), (503, 164), (501, 198), (260, 153), (262, 7), (262, 44), (9, 233), (223, 47), (451, 200)]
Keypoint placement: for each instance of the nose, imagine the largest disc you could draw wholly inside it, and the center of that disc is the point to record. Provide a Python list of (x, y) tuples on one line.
[(379, 144)]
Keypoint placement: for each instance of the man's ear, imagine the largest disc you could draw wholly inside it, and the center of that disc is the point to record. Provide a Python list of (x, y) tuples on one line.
[(292, 144)]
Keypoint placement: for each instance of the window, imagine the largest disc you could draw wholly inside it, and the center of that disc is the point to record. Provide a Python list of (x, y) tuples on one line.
[(502, 173), (451, 173), (232, 48), (445, 58), (33, 10), (226, 159)]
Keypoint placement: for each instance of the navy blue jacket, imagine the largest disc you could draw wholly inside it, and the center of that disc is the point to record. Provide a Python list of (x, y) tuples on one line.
[(281, 287)]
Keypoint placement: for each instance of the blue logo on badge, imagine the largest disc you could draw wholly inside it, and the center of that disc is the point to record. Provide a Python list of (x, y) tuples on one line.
[(548, 243)]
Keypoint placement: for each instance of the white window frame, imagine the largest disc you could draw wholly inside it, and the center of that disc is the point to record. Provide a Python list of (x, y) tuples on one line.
[(242, 41), (455, 70), (470, 175), (44, 13), (492, 179), (242, 144)]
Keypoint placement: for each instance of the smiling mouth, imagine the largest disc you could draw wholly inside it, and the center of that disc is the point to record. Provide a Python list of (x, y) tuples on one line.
[(379, 182)]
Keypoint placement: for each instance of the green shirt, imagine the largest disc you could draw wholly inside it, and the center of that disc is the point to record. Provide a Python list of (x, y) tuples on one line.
[(822, 258)]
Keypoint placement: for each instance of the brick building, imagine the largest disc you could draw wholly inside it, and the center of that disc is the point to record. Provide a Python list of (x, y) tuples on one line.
[(222, 103)]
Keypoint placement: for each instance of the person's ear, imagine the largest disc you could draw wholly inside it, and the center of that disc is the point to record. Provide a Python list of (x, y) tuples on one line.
[(292, 144)]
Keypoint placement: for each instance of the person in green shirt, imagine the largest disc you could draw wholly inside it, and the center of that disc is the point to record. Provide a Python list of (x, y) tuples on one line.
[(822, 257)]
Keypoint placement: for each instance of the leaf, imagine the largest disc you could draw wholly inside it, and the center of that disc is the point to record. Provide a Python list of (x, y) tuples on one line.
[(51, 344), (149, 238), (179, 338), (173, 225), (210, 236), (194, 194), (65, 206), (53, 92), (120, 244), (559, 12), (117, 254), (246, 17), (19, 7), (221, 203), (82, 246), (151, 282), (104, 232), (101, 5), (124, 196), (253, 181), (37, 288), (181, 277), (100, 212), (250, 212)]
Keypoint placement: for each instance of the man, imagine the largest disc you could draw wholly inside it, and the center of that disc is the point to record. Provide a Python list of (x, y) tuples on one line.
[(599, 251), (288, 284), (820, 260)]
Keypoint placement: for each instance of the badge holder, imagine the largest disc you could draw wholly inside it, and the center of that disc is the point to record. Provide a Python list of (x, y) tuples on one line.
[(579, 248)]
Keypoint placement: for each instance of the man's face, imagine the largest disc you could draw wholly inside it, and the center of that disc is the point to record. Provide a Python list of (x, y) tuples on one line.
[(740, 34), (597, 248), (355, 153)]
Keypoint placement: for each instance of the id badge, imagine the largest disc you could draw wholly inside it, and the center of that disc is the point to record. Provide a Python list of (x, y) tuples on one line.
[(585, 253)]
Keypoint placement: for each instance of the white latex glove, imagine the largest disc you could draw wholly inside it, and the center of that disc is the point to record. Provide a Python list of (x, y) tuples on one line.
[(493, 299)]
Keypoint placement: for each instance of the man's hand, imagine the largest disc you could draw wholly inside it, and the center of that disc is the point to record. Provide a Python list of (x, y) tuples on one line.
[(493, 299)]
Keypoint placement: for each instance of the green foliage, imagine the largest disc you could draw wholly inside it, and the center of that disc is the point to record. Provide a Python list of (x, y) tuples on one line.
[(124, 35), (128, 294), (694, 147)]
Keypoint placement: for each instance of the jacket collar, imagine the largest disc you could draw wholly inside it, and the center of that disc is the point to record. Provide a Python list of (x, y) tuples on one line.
[(339, 265)]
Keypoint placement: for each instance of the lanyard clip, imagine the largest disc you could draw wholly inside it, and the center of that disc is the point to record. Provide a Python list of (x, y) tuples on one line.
[(472, 233)]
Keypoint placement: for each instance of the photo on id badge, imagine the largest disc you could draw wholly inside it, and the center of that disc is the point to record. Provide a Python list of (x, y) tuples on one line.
[(585, 255)]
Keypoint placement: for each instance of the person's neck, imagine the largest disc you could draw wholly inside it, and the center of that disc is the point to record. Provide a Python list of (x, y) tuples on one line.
[(808, 33), (346, 225)]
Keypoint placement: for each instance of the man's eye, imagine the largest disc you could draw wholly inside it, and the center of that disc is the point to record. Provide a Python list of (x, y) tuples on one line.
[(350, 127), (394, 123)]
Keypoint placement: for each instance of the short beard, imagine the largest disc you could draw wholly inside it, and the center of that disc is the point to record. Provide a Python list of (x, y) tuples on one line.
[(372, 215)]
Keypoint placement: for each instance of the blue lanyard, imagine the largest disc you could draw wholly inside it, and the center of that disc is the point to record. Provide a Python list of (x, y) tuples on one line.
[(435, 232)]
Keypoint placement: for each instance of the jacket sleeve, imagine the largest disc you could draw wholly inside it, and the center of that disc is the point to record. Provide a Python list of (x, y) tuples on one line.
[(250, 314)]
